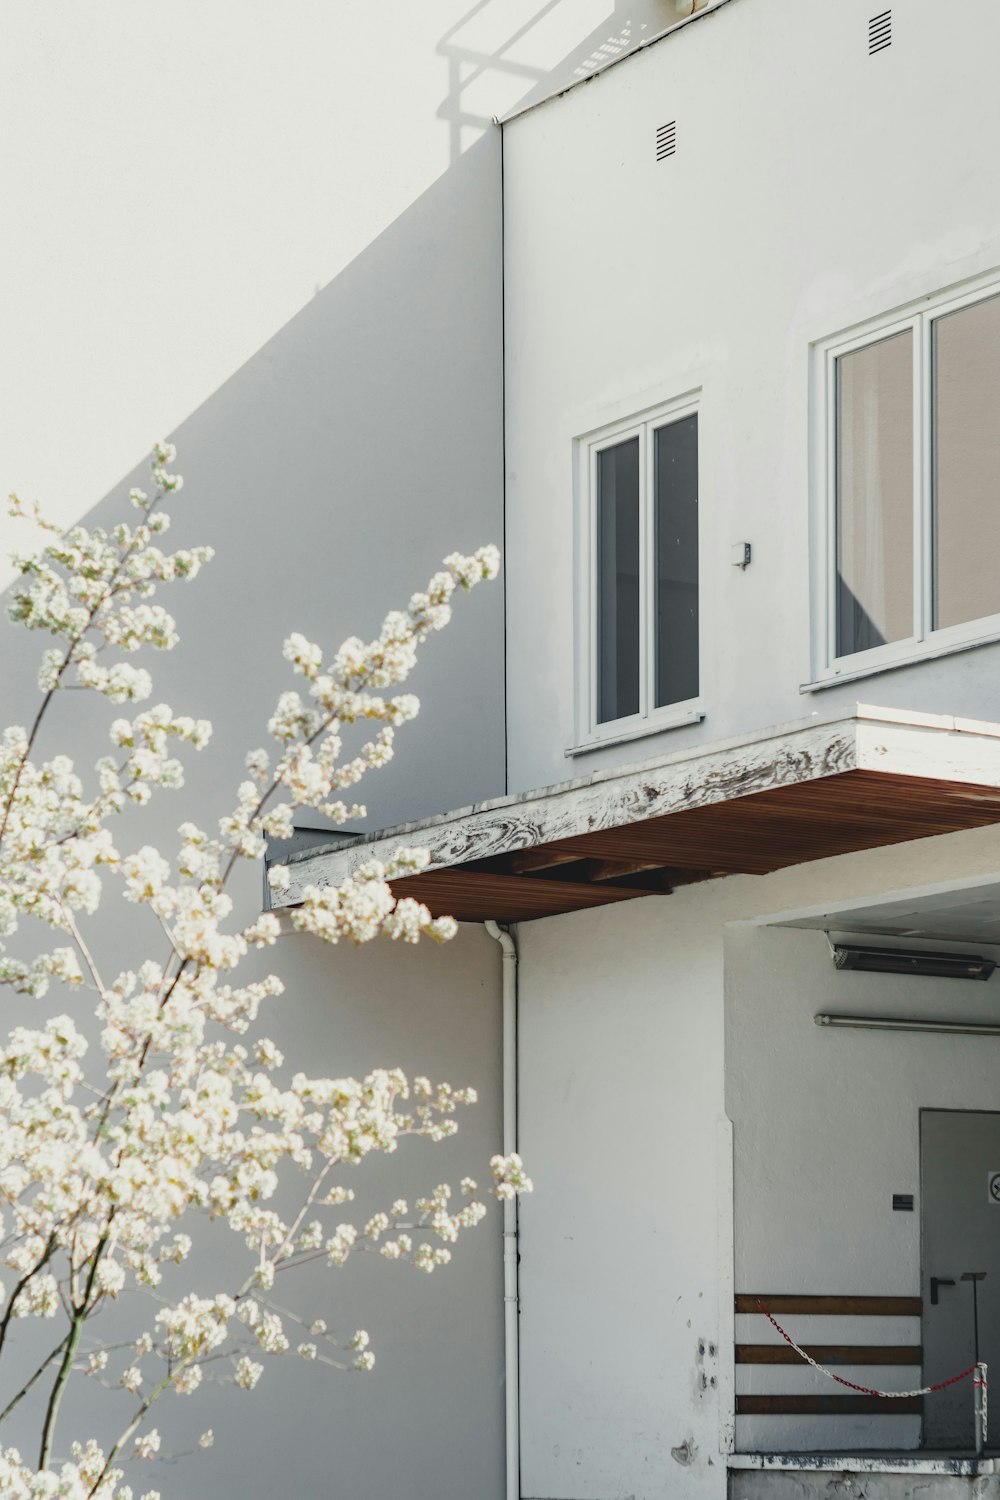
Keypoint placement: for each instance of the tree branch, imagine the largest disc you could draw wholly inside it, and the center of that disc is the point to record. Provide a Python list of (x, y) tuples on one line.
[(19, 1288), (66, 661), (120, 1442), (30, 1382), (71, 1341)]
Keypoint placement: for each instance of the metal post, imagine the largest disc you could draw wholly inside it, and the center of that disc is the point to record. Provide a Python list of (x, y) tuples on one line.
[(979, 1378), (980, 1388)]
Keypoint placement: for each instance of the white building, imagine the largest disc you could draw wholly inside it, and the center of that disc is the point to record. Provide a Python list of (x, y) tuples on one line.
[(752, 365), (730, 393)]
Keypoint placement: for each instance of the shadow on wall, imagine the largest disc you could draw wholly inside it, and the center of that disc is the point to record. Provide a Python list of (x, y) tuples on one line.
[(497, 49), (331, 473)]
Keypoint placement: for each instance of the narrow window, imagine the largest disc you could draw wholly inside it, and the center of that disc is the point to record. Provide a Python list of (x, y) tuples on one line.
[(676, 532), (874, 494), (966, 384), (638, 661), (618, 581)]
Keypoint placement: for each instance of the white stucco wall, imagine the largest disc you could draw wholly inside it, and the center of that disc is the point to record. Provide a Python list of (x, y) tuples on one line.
[(621, 1097), (813, 186), (274, 235)]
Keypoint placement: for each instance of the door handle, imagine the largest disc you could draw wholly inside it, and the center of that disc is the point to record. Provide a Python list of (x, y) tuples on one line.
[(937, 1281)]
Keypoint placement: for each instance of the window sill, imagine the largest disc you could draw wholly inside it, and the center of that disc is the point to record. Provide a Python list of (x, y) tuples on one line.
[(931, 653), (639, 732)]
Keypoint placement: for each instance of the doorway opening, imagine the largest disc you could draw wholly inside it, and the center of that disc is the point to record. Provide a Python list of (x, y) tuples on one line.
[(960, 1266)]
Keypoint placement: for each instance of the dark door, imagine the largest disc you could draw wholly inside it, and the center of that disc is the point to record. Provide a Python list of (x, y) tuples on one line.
[(960, 1224)]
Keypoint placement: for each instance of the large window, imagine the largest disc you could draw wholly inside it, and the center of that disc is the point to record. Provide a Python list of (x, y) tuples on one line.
[(639, 621), (912, 481)]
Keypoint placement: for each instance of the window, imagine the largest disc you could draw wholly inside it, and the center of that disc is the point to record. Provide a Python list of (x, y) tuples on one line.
[(639, 621), (912, 483)]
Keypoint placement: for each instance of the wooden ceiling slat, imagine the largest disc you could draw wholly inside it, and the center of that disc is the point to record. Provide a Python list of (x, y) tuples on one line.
[(754, 834), (475, 895), (614, 869), (546, 857)]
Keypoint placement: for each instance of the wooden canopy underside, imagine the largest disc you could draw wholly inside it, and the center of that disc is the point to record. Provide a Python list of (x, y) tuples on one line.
[(750, 835), (783, 797)]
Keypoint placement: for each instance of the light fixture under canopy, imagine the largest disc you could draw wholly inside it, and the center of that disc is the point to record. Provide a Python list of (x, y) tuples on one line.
[(912, 961)]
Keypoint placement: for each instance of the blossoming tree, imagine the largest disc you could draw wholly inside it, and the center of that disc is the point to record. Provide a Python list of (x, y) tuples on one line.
[(117, 1133)]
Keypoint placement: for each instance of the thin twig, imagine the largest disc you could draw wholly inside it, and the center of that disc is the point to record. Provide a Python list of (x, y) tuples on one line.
[(30, 1382), (85, 952)]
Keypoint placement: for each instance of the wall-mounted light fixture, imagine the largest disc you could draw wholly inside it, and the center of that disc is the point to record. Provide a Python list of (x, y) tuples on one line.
[(912, 961)]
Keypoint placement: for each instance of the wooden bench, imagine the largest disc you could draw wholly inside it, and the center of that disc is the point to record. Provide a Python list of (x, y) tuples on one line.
[(832, 1355)]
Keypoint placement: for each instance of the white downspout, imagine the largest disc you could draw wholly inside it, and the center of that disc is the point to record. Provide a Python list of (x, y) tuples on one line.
[(510, 1300)]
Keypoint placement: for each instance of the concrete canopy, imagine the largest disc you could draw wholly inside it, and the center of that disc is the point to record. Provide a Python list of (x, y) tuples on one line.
[(783, 797)]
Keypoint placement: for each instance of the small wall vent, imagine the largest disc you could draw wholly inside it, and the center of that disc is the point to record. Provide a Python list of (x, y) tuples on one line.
[(879, 33), (666, 140)]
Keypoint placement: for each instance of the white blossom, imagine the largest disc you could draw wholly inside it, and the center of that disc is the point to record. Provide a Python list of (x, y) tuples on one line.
[(248, 1372), (116, 1138), (147, 1445)]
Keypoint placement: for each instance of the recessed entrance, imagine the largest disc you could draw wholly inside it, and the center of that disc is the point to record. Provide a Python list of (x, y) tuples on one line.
[(960, 1228)]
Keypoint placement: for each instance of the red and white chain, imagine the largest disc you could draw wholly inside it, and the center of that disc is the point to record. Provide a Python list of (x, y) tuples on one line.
[(867, 1390)]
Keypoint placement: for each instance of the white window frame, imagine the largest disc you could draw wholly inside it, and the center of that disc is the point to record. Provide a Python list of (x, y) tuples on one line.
[(649, 720), (925, 641)]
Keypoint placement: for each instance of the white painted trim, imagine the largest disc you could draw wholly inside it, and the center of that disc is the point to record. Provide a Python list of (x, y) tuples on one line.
[(726, 1271), (937, 746), (926, 654), (641, 425), (657, 723), (925, 642)]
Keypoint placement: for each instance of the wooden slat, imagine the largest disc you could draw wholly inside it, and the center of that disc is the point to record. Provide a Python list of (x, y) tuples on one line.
[(548, 857), (831, 1354), (614, 869), (754, 834), (648, 879), (832, 1406), (510, 898), (847, 1307)]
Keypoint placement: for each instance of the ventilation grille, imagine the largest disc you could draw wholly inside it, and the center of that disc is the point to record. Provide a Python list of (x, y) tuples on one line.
[(666, 140), (880, 33), (902, 1203)]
